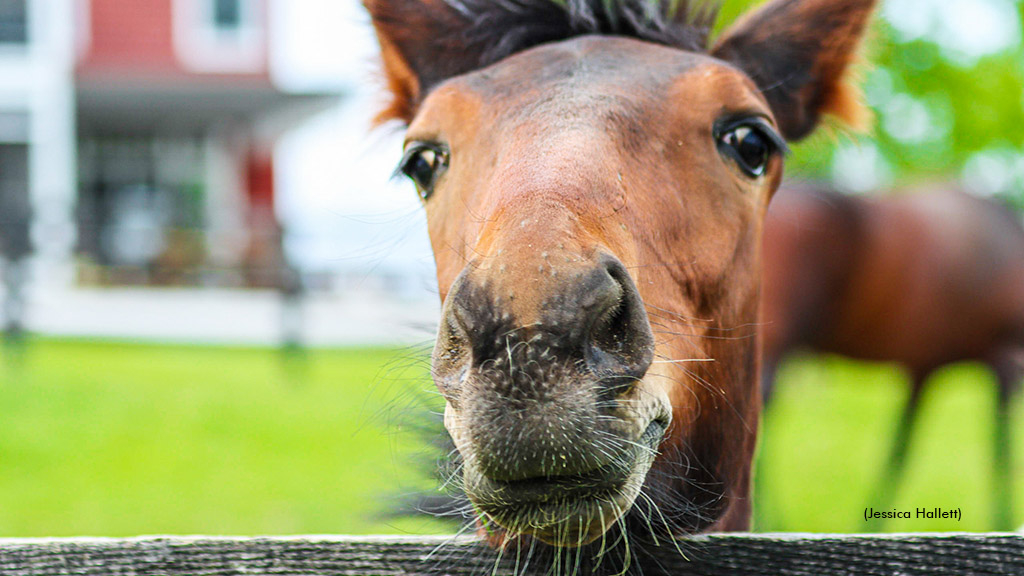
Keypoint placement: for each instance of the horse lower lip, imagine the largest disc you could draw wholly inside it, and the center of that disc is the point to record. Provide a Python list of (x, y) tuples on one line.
[(605, 480), (600, 482), (565, 487)]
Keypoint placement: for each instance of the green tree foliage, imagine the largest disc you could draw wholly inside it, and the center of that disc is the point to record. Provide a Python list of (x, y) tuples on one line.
[(940, 114)]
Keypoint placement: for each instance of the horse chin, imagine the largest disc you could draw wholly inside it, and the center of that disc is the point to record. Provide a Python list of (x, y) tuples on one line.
[(566, 511), (567, 524)]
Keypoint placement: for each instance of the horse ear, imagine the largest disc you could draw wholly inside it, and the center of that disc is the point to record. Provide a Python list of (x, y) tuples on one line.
[(799, 53), (415, 49)]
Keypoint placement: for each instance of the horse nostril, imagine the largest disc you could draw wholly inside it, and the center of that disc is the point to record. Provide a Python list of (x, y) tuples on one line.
[(620, 344)]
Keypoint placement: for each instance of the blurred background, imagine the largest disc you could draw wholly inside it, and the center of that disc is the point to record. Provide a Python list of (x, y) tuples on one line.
[(217, 307)]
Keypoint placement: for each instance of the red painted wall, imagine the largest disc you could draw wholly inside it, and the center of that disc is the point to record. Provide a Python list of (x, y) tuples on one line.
[(133, 34), (136, 37)]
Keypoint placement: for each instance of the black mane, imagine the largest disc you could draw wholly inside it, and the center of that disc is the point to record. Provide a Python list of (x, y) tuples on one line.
[(425, 42), (510, 26), (440, 39)]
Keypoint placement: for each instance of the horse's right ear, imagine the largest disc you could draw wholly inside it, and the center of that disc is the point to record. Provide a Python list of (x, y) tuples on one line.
[(414, 38), (799, 53)]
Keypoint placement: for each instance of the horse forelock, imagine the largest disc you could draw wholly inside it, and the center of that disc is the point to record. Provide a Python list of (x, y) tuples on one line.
[(511, 26), (439, 39)]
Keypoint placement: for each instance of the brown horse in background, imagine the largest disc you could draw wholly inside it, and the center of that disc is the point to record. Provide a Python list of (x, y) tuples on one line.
[(595, 179), (923, 279)]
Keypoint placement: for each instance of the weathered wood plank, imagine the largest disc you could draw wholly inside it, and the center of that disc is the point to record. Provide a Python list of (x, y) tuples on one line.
[(718, 555)]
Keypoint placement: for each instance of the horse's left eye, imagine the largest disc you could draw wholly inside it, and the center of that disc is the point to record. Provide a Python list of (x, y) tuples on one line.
[(423, 164), (750, 145)]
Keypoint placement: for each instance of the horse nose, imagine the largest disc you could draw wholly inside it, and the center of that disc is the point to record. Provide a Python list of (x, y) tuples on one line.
[(617, 343), (597, 317), (537, 379)]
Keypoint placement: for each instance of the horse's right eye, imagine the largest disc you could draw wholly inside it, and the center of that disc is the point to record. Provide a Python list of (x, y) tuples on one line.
[(423, 164)]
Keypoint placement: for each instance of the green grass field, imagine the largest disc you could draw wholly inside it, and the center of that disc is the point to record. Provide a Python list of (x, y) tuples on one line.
[(826, 440), (113, 439), (109, 439)]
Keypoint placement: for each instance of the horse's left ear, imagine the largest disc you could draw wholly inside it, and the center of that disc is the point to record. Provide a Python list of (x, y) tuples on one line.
[(799, 53)]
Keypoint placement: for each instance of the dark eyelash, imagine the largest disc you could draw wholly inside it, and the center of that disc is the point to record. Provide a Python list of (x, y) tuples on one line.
[(412, 150), (760, 123)]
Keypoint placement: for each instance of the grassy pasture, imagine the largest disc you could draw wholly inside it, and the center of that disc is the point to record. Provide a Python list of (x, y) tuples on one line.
[(113, 439), (826, 440)]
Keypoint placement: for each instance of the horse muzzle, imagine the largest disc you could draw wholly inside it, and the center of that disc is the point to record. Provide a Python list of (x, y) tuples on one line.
[(550, 414)]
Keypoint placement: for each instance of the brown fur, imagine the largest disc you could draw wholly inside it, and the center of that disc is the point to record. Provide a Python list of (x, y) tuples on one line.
[(586, 222), (478, 33), (924, 279)]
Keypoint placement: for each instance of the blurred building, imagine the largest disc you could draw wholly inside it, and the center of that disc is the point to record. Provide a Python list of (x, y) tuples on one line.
[(137, 151), (176, 118), (137, 138)]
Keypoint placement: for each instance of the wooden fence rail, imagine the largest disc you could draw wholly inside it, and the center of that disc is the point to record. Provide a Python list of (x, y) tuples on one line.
[(718, 555)]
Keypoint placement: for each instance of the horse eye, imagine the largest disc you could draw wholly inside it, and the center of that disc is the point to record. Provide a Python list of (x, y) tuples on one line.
[(423, 163), (750, 146)]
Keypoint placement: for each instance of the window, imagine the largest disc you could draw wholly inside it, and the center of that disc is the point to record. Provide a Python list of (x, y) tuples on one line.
[(227, 14), (220, 36), (13, 22)]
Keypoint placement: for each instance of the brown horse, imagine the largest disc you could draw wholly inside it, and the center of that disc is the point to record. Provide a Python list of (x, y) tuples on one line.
[(595, 180), (924, 279)]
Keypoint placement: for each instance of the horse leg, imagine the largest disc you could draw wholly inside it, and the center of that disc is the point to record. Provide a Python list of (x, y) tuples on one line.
[(885, 490), (1008, 374)]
